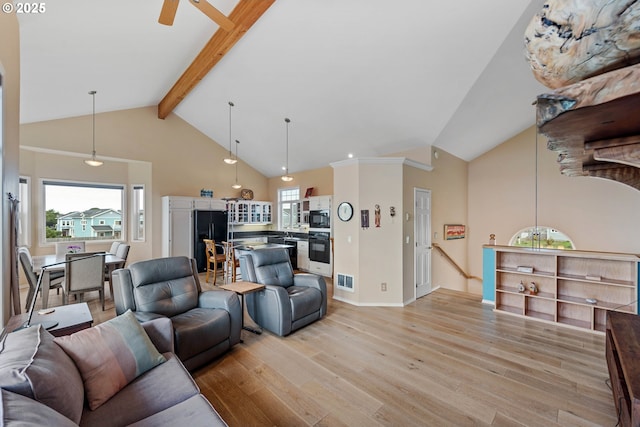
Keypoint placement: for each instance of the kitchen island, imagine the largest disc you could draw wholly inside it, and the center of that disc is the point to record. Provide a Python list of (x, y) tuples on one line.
[(290, 247)]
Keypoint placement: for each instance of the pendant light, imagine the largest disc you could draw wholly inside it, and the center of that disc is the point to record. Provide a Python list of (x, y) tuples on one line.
[(93, 161), (230, 160), (286, 177), (236, 185)]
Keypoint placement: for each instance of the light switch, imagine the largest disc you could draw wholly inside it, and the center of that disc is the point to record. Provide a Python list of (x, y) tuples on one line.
[(348, 239), (435, 235), (407, 239)]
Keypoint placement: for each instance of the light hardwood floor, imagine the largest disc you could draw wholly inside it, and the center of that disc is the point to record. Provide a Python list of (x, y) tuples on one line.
[(445, 360)]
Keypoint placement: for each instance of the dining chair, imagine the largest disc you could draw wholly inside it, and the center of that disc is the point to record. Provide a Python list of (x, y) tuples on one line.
[(56, 278), (114, 247), (231, 263), (84, 273), (122, 252), (63, 248), (213, 258)]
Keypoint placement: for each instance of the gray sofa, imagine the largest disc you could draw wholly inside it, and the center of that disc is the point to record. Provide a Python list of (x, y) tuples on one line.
[(205, 324), (40, 385), (288, 302)]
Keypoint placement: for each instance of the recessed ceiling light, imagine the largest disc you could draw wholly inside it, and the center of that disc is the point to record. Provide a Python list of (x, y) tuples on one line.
[(350, 155)]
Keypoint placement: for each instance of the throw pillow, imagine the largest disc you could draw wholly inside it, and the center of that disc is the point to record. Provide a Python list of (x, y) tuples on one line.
[(32, 365), (17, 410), (111, 355)]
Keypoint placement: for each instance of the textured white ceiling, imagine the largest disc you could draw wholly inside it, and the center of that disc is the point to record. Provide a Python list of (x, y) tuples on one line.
[(367, 77)]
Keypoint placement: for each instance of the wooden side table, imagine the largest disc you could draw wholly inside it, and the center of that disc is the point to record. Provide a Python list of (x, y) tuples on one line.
[(242, 288), (622, 349), (71, 318)]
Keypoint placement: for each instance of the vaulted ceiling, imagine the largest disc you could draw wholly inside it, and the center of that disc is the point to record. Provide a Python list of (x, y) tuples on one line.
[(367, 77)]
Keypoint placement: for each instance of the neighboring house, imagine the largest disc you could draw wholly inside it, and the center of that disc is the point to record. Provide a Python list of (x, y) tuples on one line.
[(92, 223)]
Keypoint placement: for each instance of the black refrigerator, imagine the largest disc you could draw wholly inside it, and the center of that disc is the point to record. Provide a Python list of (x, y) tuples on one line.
[(207, 225)]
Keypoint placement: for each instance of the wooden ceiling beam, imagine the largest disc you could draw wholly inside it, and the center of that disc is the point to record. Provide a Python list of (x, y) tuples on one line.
[(214, 14), (244, 15)]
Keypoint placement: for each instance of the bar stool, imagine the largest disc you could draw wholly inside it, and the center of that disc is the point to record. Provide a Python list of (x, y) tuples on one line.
[(231, 264)]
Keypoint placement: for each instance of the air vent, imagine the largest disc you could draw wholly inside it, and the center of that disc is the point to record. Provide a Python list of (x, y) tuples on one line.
[(345, 282)]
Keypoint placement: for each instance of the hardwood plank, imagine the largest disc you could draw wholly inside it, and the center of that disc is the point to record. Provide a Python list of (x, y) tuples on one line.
[(443, 360)]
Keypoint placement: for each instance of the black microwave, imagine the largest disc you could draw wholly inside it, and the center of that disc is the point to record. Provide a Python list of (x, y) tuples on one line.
[(320, 218)]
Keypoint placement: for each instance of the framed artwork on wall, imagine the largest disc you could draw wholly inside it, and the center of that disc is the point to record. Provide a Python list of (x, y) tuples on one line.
[(364, 218), (308, 193), (454, 231)]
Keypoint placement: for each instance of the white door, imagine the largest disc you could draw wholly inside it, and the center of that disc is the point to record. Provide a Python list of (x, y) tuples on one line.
[(422, 233)]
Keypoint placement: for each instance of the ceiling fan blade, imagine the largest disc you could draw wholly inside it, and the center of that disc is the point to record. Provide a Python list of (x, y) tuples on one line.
[(168, 12), (214, 14)]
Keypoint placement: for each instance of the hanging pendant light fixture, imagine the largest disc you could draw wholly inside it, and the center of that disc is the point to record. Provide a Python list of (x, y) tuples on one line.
[(236, 185), (93, 161), (286, 177), (230, 160)]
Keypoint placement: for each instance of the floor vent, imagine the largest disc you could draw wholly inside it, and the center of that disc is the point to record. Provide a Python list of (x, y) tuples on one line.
[(345, 282)]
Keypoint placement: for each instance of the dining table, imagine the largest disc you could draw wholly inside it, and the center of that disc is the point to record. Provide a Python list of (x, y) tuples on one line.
[(53, 262)]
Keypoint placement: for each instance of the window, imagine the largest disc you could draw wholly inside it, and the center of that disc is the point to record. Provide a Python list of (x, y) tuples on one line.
[(24, 225), (288, 207), (542, 237), (94, 207), (137, 212)]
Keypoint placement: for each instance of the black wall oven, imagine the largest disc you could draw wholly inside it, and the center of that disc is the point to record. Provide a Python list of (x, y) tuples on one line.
[(320, 219), (319, 247)]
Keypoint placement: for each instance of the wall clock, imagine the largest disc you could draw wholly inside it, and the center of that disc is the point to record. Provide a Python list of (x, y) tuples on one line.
[(246, 194), (345, 211)]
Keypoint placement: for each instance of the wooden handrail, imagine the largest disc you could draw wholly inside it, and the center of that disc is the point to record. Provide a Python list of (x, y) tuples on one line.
[(460, 270)]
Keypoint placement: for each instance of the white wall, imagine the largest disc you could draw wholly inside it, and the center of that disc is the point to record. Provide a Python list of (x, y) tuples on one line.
[(597, 214), (9, 143)]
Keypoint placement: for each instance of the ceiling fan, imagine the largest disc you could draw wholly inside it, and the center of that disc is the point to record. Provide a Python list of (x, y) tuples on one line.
[(169, 8)]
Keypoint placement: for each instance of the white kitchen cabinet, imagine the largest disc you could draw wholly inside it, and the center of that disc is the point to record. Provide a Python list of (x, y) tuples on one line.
[(209, 204), (250, 212), (320, 268), (177, 226), (240, 212), (177, 222), (266, 212), (319, 203), (303, 255)]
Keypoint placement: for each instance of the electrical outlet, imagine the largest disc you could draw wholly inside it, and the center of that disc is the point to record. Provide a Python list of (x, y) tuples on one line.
[(383, 286)]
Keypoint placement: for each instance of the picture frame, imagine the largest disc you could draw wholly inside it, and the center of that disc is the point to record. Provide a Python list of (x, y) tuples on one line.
[(364, 218), (308, 193), (454, 231)]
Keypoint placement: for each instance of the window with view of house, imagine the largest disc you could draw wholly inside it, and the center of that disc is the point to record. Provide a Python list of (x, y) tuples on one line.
[(288, 207), (24, 209), (137, 213), (82, 211), (541, 237)]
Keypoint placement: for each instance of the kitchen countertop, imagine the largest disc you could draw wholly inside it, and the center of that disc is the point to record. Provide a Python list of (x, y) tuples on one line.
[(261, 246)]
